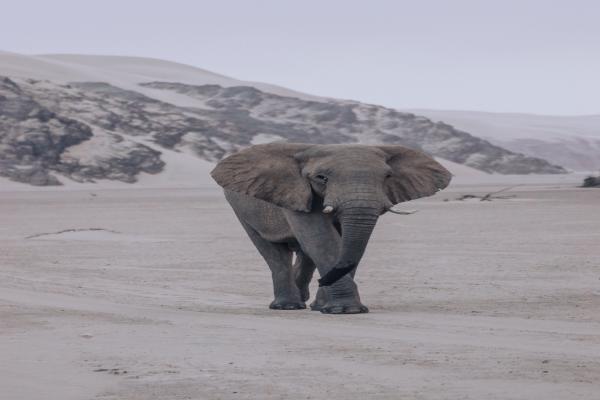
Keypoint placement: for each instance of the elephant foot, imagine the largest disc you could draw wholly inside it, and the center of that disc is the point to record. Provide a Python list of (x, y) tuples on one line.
[(334, 303), (334, 308), (286, 304)]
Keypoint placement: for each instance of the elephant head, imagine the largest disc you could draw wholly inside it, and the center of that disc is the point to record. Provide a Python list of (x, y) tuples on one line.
[(353, 183)]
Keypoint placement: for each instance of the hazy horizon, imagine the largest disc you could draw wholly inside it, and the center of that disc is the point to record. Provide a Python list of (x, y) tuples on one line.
[(519, 57)]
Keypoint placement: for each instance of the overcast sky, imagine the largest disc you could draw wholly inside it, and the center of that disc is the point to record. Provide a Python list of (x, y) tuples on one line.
[(504, 55)]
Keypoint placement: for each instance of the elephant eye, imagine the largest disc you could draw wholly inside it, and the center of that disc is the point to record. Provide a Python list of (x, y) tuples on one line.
[(388, 175), (321, 178)]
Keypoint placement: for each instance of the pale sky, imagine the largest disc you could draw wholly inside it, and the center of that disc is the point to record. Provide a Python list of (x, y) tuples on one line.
[(505, 55)]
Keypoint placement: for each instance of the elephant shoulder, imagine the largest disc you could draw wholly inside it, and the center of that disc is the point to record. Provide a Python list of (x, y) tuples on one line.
[(265, 218)]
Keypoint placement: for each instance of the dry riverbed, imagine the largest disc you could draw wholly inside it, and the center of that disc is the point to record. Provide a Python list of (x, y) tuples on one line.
[(158, 294)]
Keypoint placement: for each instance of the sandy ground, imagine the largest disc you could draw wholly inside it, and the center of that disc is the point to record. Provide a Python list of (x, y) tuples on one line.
[(167, 299)]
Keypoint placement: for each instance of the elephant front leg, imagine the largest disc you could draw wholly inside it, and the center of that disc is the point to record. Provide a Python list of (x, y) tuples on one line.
[(320, 240), (278, 257), (287, 294)]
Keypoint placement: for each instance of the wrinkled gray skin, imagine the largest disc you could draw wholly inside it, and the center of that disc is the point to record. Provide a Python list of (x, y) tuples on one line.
[(279, 192)]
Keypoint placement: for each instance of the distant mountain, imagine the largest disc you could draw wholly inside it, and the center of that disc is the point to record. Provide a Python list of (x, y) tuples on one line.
[(571, 141), (118, 115)]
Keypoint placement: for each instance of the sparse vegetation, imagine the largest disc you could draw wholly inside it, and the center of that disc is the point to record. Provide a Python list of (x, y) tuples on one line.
[(488, 197), (591, 181)]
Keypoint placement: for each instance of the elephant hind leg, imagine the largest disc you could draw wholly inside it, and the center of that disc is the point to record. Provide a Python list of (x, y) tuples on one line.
[(303, 268), (279, 259)]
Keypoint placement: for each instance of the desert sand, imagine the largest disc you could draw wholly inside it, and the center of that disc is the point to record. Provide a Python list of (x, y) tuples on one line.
[(158, 294)]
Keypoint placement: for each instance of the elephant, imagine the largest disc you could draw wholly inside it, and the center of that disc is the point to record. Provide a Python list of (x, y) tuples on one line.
[(321, 202)]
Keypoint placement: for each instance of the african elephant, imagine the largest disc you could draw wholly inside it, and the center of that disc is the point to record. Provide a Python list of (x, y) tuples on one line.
[(321, 202)]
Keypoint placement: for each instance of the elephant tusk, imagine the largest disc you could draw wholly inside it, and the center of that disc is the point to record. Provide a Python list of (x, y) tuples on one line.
[(402, 212), (328, 209)]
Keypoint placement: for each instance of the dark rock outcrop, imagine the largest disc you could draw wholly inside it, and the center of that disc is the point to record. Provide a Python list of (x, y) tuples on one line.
[(35, 141)]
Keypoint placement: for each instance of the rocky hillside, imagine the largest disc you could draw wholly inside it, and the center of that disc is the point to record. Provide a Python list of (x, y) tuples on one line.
[(39, 139), (94, 130), (571, 141)]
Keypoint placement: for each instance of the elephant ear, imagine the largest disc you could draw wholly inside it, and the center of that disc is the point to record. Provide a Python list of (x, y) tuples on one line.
[(414, 174), (268, 172)]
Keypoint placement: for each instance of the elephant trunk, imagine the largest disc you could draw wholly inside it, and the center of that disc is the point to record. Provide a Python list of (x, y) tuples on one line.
[(357, 220)]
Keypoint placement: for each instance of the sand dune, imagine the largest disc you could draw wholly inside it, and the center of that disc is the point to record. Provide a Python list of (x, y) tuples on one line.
[(124, 72)]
